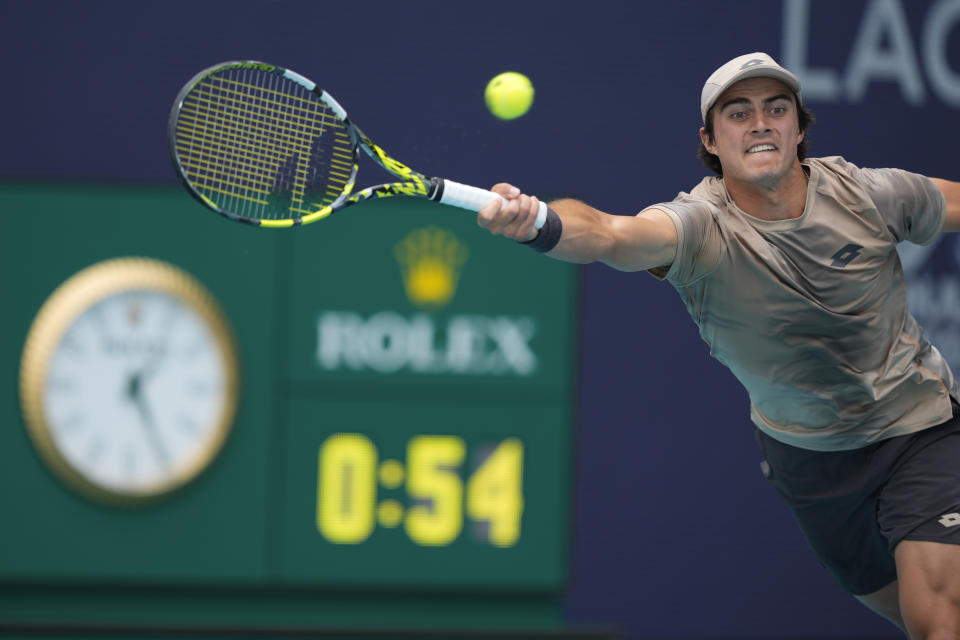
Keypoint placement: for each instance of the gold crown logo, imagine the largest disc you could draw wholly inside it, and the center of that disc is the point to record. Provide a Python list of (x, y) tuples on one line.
[(430, 260)]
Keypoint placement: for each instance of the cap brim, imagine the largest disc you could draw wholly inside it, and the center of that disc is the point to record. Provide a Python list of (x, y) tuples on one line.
[(759, 71)]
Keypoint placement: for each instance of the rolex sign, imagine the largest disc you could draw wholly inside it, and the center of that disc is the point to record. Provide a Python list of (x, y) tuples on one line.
[(429, 261), (461, 344), (426, 295)]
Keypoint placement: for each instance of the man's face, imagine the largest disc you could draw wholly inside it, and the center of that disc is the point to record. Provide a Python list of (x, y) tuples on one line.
[(756, 131)]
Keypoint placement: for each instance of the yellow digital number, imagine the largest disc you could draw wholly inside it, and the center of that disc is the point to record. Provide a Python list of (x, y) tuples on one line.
[(435, 489), (346, 488), (495, 493)]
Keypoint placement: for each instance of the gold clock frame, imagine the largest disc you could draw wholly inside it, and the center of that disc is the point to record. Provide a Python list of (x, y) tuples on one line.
[(64, 306)]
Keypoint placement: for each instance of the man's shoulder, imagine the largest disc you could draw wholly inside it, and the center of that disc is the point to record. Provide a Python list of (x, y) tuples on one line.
[(837, 177), (831, 168), (700, 208), (707, 196), (833, 163), (704, 203), (710, 190), (854, 184)]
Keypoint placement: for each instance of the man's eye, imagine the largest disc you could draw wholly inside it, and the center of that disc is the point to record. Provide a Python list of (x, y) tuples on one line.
[(739, 115), (778, 111)]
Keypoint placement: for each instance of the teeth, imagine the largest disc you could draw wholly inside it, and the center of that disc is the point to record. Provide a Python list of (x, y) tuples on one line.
[(761, 147)]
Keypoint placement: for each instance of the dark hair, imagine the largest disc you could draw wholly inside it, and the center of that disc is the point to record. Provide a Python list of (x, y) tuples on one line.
[(804, 120)]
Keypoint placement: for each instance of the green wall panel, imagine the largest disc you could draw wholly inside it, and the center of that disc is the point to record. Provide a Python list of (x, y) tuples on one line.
[(213, 528), (397, 322)]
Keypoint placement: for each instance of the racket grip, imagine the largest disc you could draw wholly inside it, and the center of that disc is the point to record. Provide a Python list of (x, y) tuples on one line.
[(474, 199)]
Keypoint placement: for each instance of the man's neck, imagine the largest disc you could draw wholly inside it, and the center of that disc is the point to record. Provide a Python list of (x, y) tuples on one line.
[(780, 199)]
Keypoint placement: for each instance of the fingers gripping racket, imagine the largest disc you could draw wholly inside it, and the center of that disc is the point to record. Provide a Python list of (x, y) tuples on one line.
[(264, 145)]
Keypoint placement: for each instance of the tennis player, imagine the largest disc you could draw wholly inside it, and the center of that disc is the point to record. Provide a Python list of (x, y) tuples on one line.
[(789, 267)]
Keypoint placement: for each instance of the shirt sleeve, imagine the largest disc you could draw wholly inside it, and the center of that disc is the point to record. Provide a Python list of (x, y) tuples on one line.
[(911, 205), (699, 242)]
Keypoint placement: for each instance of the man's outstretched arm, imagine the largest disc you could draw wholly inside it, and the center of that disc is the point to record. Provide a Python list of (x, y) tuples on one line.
[(627, 243)]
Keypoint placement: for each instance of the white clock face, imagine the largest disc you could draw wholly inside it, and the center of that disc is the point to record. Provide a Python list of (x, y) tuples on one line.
[(128, 379), (135, 391)]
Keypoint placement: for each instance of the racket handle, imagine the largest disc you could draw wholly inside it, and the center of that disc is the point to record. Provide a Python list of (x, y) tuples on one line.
[(474, 199)]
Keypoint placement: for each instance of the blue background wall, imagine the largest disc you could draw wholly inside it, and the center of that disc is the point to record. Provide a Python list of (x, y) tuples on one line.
[(675, 532)]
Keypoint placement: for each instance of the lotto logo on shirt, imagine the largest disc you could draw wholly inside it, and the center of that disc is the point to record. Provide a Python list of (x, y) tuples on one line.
[(846, 255)]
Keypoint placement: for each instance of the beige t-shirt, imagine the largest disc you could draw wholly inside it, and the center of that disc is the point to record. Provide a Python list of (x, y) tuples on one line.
[(810, 314)]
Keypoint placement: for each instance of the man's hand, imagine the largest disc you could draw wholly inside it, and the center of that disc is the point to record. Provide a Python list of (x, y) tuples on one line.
[(514, 218)]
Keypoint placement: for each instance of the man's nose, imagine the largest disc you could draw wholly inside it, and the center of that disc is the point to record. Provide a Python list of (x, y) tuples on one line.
[(760, 122)]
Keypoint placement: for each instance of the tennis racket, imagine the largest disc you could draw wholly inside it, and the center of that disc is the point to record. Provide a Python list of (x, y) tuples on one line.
[(264, 145)]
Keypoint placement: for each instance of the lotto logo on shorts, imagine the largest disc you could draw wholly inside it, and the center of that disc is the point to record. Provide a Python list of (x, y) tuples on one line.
[(950, 519)]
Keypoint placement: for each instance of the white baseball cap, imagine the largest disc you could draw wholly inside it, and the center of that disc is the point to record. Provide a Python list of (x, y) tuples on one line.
[(751, 65)]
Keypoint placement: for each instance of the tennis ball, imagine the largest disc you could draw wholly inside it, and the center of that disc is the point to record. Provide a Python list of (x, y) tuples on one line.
[(509, 95)]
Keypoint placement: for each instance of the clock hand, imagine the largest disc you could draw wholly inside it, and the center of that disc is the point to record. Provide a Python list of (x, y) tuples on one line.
[(135, 393)]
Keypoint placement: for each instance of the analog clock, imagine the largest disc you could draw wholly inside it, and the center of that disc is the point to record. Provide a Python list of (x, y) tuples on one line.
[(128, 380)]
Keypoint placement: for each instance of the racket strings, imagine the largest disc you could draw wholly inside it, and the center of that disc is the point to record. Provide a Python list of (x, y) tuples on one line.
[(262, 147)]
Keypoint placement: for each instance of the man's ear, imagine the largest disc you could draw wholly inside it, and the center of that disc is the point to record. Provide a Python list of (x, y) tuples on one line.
[(707, 141)]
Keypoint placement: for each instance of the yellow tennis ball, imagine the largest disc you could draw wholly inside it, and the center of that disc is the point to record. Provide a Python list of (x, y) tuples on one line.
[(509, 95)]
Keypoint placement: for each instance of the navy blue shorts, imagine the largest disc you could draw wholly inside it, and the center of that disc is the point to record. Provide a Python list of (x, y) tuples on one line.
[(855, 507)]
